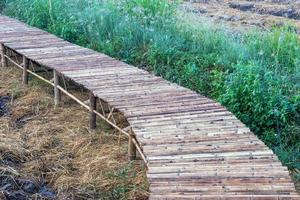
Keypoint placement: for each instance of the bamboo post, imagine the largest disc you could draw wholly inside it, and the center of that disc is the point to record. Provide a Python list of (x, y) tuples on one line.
[(3, 58), (131, 148), (25, 72), (57, 96), (93, 106)]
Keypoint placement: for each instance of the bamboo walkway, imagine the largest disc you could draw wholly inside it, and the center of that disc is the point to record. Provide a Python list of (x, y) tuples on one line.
[(193, 147)]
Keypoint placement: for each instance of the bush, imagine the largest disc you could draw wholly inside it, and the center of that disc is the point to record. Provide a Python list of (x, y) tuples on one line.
[(261, 99), (2, 5)]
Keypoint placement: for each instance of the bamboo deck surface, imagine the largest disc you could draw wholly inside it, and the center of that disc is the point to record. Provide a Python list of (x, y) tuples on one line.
[(195, 148)]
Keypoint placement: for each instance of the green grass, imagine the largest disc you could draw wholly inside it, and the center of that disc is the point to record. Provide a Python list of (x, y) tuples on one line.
[(254, 74)]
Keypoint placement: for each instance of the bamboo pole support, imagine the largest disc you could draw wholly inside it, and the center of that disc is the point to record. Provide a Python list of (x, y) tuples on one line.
[(103, 117), (131, 148), (3, 58), (25, 72), (93, 106), (57, 96)]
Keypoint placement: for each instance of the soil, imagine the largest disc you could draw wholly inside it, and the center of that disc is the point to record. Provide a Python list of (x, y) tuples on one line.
[(249, 13), (4, 100), (19, 189), (48, 152)]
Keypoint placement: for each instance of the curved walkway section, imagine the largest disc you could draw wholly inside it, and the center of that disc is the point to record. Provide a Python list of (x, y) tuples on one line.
[(194, 147)]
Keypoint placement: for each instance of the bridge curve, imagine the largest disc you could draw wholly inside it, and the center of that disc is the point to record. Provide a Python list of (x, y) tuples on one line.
[(194, 147)]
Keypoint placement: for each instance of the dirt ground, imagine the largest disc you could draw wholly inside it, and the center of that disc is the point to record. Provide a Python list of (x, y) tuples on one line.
[(249, 13), (49, 153)]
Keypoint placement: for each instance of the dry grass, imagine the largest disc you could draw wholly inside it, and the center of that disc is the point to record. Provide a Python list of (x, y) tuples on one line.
[(54, 145), (220, 12)]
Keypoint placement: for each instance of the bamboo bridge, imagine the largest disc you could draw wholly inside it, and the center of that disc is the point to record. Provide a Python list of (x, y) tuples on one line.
[(193, 147)]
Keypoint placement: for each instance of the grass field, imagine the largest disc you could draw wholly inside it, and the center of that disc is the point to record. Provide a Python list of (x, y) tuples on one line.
[(254, 73)]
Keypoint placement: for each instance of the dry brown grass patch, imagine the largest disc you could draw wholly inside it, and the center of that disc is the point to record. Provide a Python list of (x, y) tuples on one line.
[(55, 146)]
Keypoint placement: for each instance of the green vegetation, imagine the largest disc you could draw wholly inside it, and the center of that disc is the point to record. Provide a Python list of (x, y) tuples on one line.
[(2, 5), (255, 74)]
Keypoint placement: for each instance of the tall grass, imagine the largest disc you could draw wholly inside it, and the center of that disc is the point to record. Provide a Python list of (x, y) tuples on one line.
[(255, 74)]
